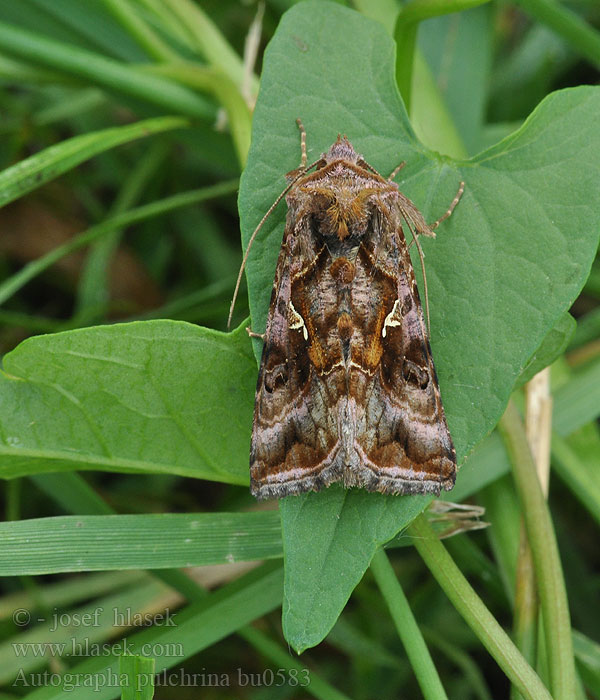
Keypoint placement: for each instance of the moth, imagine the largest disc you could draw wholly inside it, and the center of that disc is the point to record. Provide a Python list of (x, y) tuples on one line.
[(347, 389)]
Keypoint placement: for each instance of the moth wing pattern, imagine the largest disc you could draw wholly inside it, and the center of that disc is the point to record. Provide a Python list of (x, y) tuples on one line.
[(291, 439), (411, 450), (347, 389)]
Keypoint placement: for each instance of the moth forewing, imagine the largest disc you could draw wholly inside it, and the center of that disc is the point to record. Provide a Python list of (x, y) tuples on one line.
[(347, 390)]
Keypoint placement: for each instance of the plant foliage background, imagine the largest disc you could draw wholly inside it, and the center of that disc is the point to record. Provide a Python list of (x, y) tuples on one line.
[(125, 126)]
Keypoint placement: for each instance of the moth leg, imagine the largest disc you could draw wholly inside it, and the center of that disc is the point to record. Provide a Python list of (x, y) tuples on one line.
[(396, 170), (252, 334), (302, 143), (451, 208)]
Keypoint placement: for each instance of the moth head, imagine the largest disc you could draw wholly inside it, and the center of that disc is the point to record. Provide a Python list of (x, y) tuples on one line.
[(341, 150)]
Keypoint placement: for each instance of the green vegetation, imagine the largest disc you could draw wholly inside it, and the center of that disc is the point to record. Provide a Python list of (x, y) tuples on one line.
[(127, 128)]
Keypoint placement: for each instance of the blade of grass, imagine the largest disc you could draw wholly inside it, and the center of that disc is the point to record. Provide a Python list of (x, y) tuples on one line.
[(470, 670), (548, 570), (538, 428), (35, 324), (225, 91), (48, 164), (188, 307), (131, 20), (588, 329), (358, 644), (587, 652), (105, 72), (581, 477), (430, 116), (86, 101), (581, 36), (405, 35), (93, 288), (208, 40), (20, 652), (150, 541), (525, 615), (161, 206), (476, 615), (136, 677), (199, 626), (71, 492), (19, 71), (168, 22), (85, 500), (67, 592), (578, 401), (407, 628)]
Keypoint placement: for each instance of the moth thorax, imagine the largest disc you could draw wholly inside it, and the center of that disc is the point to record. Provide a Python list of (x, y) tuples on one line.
[(347, 214)]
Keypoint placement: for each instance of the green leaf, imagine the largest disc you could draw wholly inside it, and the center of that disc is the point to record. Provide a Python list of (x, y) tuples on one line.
[(485, 464), (503, 270), (329, 539), (155, 541), (153, 396), (553, 345), (33, 172)]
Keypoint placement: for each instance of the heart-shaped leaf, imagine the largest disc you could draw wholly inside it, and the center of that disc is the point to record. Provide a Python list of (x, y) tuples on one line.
[(151, 396), (502, 271)]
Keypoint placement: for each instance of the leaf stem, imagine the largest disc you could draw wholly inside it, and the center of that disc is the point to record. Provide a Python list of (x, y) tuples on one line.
[(407, 628), (546, 560), (476, 615), (525, 625)]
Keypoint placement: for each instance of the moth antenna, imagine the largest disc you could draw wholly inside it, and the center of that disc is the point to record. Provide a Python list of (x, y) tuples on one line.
[(415, 240), (370, 167), (302, 143), (245, 258), (433, 226), (451, 208), (238, 282)]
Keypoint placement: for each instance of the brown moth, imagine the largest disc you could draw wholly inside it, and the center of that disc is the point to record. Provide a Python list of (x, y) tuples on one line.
[(347, 390)]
